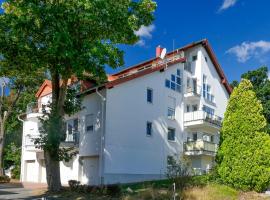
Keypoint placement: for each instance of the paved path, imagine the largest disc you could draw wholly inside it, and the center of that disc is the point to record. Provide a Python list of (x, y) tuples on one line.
[(19, 191)]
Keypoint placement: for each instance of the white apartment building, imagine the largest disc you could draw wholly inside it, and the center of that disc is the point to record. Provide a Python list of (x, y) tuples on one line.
[(131, 124)]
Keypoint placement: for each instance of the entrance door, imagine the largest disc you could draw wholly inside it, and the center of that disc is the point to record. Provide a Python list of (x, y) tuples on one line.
[(90, 172), (31, 171)]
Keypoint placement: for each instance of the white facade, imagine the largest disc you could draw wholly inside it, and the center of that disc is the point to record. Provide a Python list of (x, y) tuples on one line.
[(124, 138)]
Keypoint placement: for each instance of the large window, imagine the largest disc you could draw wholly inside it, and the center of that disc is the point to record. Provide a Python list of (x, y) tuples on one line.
[(149, 95), (89, 123), (207, 91), (171, 108), (149, 128), (208, 110), (71, 129), (175, 81), (171, 134)]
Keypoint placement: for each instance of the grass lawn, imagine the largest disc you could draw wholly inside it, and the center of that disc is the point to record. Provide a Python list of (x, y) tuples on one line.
[(162, 190)]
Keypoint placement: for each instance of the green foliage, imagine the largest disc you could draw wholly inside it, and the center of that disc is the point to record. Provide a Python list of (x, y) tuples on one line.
[(261, 86), (12, 157), (4, 179), (243, 160), (179, 171)]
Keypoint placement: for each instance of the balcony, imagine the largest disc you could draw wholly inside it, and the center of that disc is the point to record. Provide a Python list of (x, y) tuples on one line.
[(200, 147), (202, 120), (192, 93), (29, 143), (71, 139)]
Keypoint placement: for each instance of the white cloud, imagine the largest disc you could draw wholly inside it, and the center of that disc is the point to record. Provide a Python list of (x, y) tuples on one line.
[(145, 32), (246, 50), (227, 4)]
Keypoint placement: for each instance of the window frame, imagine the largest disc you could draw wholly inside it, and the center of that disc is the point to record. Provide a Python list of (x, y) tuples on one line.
[(151, 129), (169, 129), (90, 125), (151, 96)]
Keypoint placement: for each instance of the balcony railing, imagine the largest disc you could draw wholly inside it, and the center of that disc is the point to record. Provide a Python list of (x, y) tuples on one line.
[(200, 146), (73, 138), (193, 91), (202, 116)]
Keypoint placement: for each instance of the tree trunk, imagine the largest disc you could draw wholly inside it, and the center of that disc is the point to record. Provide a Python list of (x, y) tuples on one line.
[(2, 132), (51, 159), (52, 173)]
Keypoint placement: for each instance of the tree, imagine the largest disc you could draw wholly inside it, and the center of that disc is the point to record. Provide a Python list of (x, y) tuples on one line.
[(18, 83), (243, 160), (66, 38), (261, 85)]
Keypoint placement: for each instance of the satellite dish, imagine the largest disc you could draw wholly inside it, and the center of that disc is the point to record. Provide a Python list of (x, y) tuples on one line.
[(163, 53)]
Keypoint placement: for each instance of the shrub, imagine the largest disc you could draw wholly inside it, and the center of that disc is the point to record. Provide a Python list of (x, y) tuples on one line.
[(73, 184), (4, 179), (243, 157), (178, 171), (113, 190)]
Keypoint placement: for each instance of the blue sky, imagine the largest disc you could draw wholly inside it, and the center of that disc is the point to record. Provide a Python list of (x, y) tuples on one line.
[(238, 30)]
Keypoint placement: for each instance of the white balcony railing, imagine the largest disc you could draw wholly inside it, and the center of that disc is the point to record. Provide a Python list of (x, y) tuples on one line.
[(200, 146), (193, 91), (197, 116)]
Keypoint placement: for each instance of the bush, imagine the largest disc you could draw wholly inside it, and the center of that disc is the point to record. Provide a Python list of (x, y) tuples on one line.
[(4, 179), (179, 171), (73, 184), (113, 190)]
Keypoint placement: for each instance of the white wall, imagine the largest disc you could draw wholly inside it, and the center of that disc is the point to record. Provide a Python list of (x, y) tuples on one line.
[(130, 155)]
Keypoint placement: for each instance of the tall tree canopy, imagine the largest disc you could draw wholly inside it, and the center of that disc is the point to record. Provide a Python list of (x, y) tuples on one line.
[(261, 86), (242, 158), (65, 38)]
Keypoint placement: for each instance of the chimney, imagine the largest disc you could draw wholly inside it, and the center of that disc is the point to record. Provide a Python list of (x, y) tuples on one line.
[(158, 51)]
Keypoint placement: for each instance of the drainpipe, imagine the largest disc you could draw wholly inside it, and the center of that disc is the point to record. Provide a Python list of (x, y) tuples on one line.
[(102, 130), (22, 154)]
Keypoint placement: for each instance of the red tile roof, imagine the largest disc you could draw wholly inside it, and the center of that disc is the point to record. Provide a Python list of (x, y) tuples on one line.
[(153, 65), (134, 71)]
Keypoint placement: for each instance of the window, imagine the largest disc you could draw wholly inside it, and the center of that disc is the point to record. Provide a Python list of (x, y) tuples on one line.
[(194, 58), (149, 95), (174, 82), (212, 138), (207, 94), (171, 107), (171, 134), (170, 160), (205, 58), (194, 107), (171, 113), (172, 85), (149, 128), (194, 136), (204, 86), (89, 123), (173, 78), (188, 108), (188, 82), (167, 83), (208, 110)]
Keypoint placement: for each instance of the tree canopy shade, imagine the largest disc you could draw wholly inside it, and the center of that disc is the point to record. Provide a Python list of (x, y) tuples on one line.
[(65, 38), (243, 157)]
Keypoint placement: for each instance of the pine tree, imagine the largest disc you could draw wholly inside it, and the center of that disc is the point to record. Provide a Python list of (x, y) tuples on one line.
[(243, 157)]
